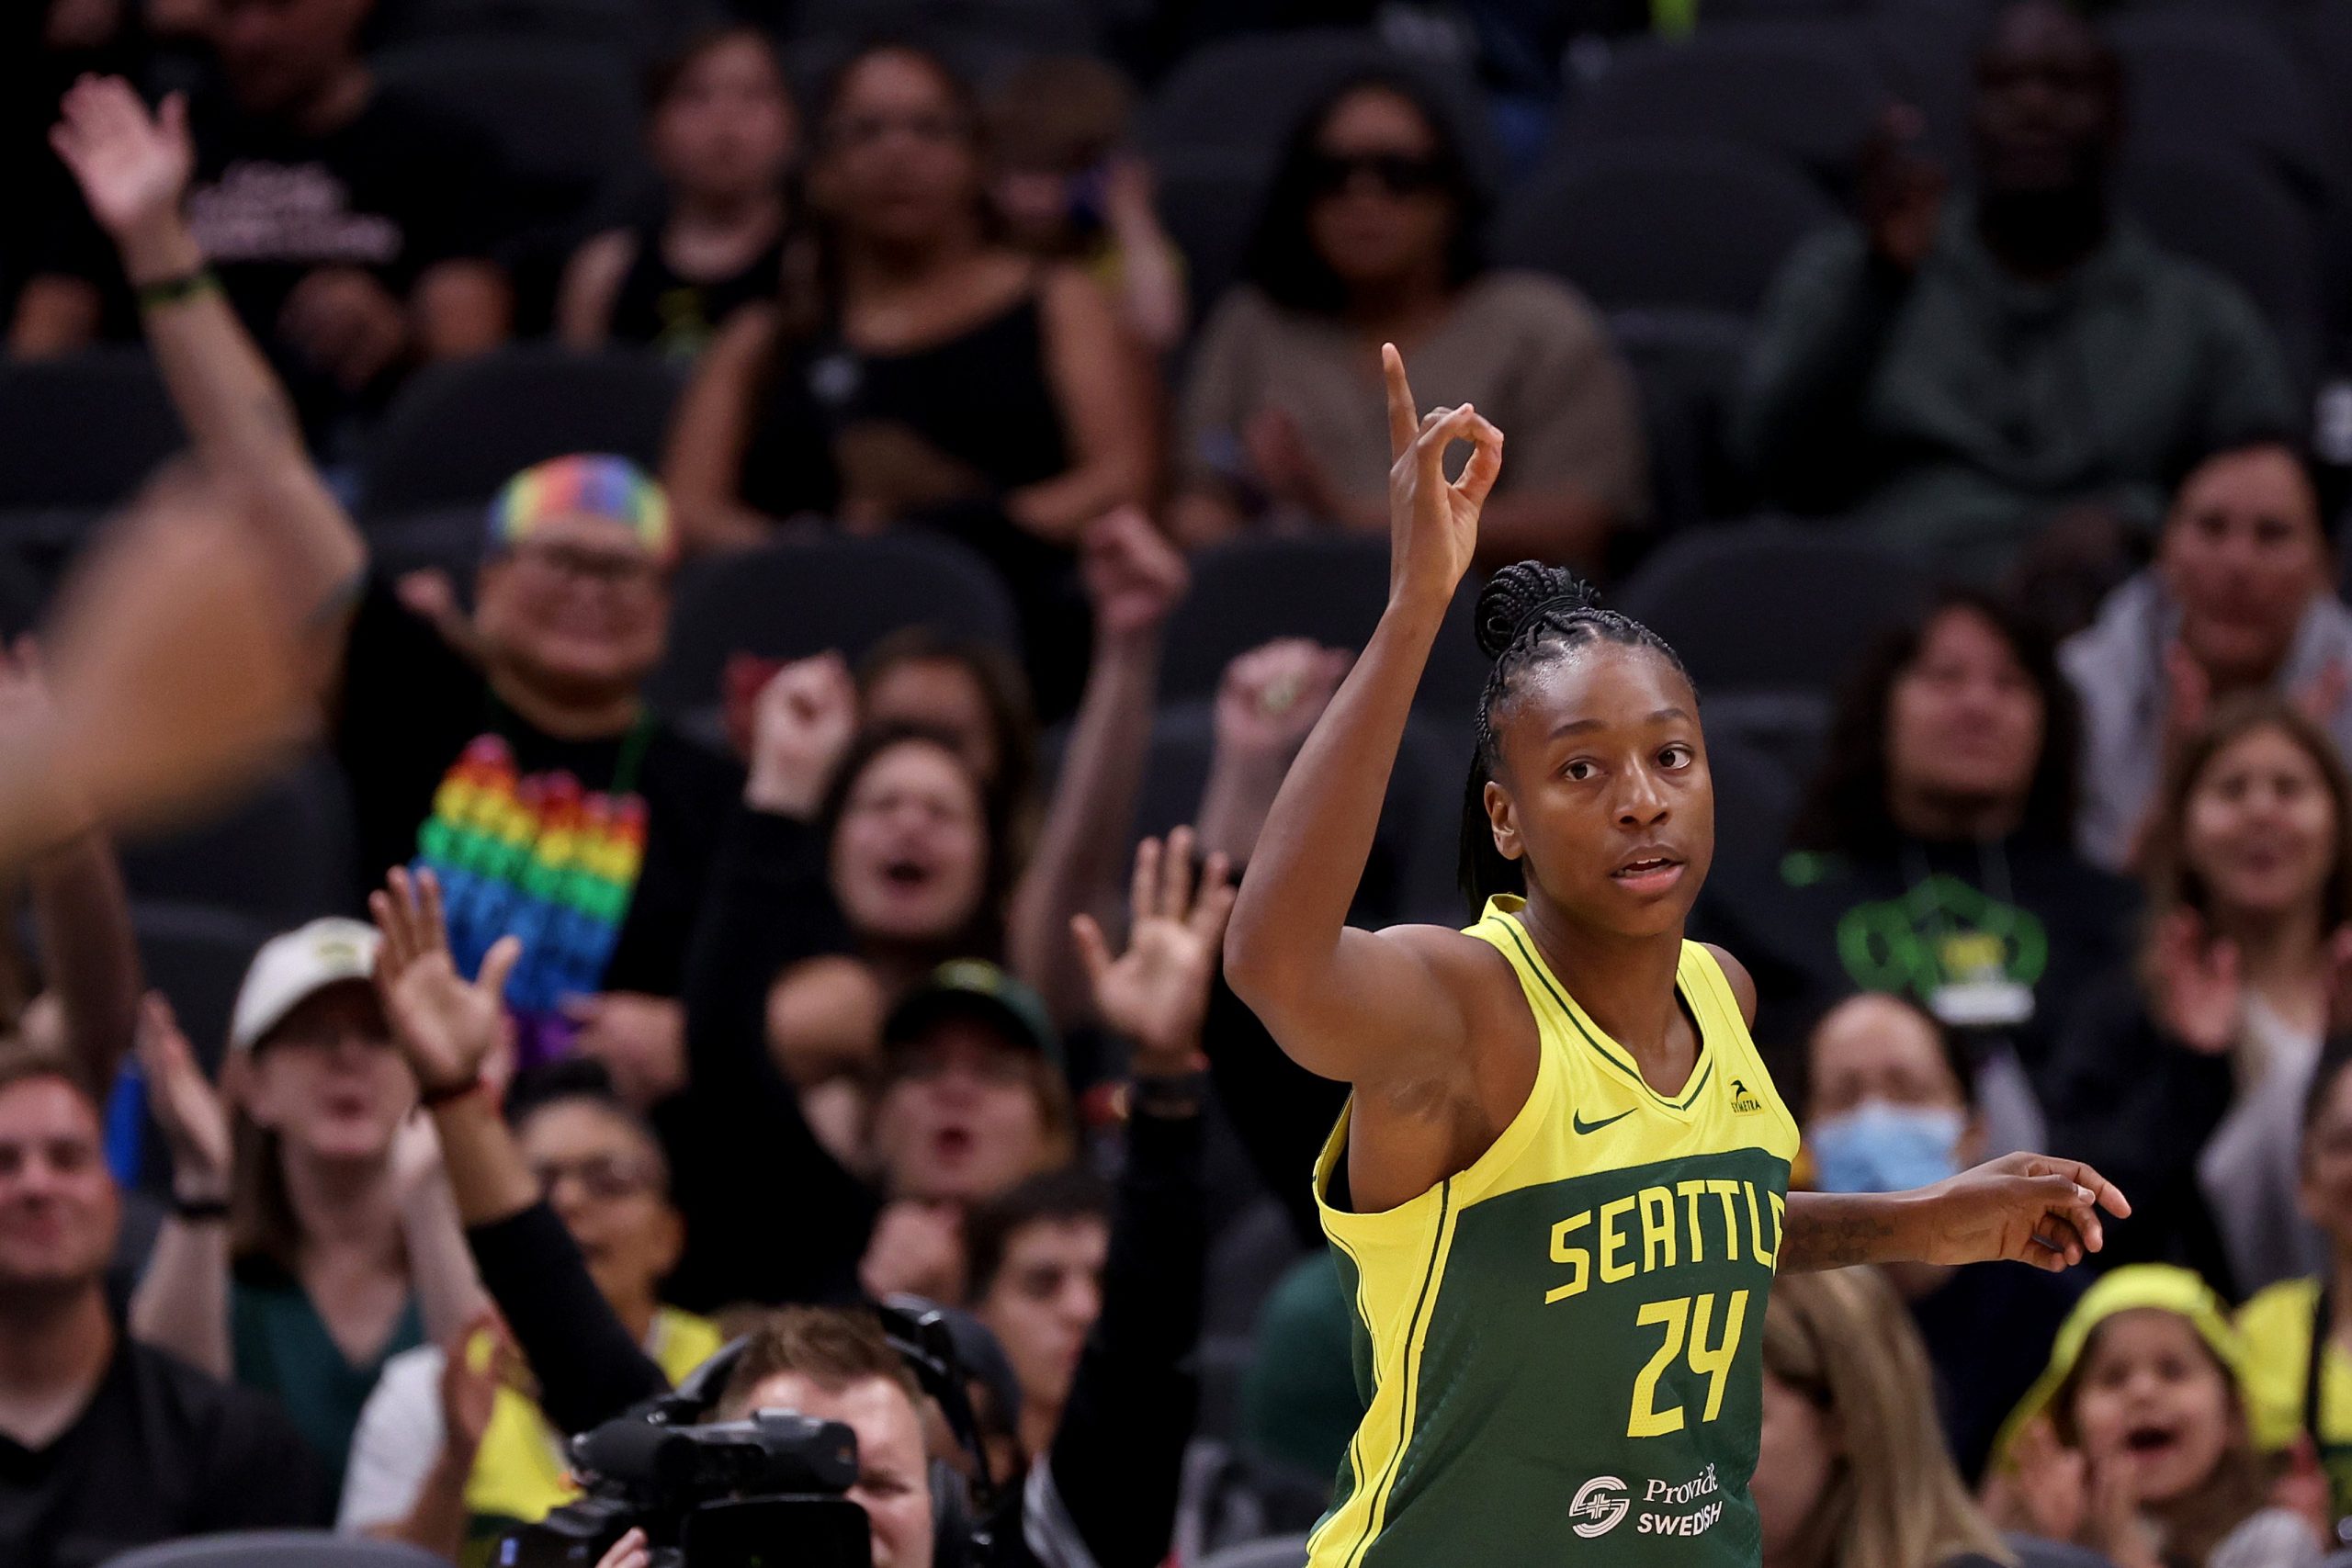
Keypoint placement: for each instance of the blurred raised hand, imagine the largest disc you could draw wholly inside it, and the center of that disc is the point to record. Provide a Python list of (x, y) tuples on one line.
[(447, 1025), (1134, 576), (802, 724), (2200, 989), (132, 165), (185, 1106), (1156, 994)]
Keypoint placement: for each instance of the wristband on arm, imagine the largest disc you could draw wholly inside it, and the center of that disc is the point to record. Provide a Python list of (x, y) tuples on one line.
[(177, 289)]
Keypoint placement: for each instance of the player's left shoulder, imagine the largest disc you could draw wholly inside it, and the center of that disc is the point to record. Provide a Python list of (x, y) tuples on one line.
[(1735, 976)]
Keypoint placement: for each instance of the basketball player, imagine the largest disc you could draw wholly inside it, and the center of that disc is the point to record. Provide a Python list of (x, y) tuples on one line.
[(1559, 1192)]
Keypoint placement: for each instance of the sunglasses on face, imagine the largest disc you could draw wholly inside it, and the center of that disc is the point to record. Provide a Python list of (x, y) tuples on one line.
[(1398, 173)]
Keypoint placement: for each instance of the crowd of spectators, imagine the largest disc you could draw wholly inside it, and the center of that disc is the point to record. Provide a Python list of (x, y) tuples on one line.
[(889, 976)]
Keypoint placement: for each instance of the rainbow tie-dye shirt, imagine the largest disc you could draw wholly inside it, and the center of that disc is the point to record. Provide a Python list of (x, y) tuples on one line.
[(537, 855)]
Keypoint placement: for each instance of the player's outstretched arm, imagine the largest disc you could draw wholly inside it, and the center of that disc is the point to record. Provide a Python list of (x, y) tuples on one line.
[(133, 167), (1362, 1006), (2025, 1208)]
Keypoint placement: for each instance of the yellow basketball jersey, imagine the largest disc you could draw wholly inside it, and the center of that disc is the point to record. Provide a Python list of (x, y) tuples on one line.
[(521, 1474), (1559, 1347)]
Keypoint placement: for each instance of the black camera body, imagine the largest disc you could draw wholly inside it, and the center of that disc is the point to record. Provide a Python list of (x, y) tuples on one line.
[(769, 1491)]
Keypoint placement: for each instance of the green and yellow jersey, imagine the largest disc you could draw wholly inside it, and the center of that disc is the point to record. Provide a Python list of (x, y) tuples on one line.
[(1559, 1346), (521, 1473), (2281, 1403)]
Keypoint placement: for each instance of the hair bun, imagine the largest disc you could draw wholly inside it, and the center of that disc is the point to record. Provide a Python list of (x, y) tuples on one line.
[(1520, 591)]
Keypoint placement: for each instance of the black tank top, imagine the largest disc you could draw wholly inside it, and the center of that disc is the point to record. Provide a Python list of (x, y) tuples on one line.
[(982, 396), (678, 315)]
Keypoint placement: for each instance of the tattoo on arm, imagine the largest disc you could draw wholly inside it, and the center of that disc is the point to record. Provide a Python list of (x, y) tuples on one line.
[(1837, 1230)]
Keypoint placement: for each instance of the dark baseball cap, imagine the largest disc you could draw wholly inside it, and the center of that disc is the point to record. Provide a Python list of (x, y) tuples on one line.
[(973, 987)]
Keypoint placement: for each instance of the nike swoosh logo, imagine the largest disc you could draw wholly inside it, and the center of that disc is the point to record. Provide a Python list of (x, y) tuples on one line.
[(1581, 1125)]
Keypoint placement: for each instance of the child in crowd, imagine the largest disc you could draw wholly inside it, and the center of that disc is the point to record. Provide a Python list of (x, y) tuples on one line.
[(2135, 1442)]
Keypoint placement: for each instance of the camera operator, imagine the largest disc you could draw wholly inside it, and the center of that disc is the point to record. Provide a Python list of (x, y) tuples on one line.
[(834, 1364), (1104, 1493)]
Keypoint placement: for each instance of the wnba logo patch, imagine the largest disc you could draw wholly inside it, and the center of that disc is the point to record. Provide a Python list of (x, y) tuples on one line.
[(1600, 1505), (1742, 1101)]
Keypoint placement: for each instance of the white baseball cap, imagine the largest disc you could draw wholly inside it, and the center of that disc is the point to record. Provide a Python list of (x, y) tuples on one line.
[(298, 965)]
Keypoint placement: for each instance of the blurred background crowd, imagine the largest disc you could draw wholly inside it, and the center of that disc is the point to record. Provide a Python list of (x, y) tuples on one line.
[(820, 525)]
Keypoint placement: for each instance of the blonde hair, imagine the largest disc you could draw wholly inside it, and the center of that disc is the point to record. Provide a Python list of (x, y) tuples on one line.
[(1843, 1340)]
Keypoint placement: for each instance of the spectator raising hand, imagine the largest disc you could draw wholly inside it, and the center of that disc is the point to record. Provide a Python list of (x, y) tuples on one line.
[(185, 1106), (1266, 705), (446, 1026), (802, 724), (133, 166), (1134, 576), (1157, 993), (2199, 989)]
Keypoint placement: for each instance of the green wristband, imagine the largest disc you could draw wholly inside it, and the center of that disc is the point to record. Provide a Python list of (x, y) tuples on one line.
[(176, 291)]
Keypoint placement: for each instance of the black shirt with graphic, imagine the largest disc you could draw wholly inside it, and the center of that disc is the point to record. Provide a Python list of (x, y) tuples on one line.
[(161, 1451), (396, 190), (2015, 926), (596, 852)]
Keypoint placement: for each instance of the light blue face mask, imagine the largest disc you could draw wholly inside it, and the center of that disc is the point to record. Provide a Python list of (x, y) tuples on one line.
[(1883, 1147)]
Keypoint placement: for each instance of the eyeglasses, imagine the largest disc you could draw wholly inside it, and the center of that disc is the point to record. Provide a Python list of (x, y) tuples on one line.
[(614, 568), (605, 1178), (1398, 173)]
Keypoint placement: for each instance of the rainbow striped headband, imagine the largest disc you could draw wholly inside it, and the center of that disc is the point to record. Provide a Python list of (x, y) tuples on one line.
[(586, 484)]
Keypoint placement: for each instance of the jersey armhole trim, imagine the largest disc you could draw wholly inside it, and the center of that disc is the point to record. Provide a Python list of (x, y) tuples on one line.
[(1375, 1515)]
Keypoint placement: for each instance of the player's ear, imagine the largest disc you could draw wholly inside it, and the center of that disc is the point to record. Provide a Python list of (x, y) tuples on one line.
[(1504, 819)]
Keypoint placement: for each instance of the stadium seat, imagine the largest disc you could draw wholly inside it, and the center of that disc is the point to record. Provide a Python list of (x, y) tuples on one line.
[(1410, 876), (1026, 26), (1767, 606), (276, 1549), (1799, 96), (562, 113), (456, 431), (83, 430), (1700, 224), (1331, 587), (2225, 208), (630, 26), (281, 856), (444, 539), (1210, 202), (1687, 366), (1756, 795), (826, 591), (1280, 1552), (2220, 79), (195, 954), (1243, 94)]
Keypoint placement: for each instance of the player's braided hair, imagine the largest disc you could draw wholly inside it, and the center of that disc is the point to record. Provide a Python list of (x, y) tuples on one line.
[(1529, 615)]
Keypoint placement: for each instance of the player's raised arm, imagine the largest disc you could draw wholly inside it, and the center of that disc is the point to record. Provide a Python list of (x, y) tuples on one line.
[(133, 167), (1365, 1006)]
